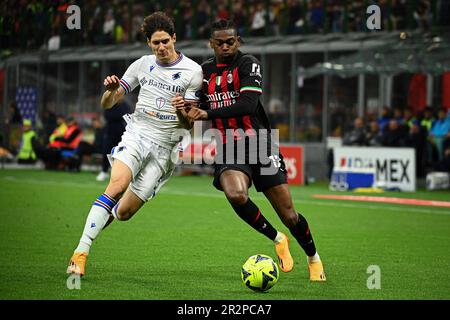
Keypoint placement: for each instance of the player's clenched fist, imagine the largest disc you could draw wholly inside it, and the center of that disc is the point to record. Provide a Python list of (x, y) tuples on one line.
[(197, 114), (178, 101), (111, 83)]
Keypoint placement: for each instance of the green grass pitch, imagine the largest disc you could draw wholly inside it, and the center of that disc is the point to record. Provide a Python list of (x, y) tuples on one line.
[(188, 244)]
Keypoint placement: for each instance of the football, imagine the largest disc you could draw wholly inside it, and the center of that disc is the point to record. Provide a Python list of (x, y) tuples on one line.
[(260, 272)]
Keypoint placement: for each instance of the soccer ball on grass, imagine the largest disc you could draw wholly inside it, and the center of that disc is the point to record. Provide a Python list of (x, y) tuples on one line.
[(260, 272)]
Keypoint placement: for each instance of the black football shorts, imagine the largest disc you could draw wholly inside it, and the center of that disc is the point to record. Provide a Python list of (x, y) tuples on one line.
[(264, 175)]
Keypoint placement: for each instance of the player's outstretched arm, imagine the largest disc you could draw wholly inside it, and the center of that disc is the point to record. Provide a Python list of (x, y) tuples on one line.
[(113, 92)]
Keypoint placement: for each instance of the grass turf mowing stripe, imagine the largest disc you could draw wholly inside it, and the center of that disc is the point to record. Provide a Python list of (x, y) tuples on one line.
[(169, 191), (188, 244), (414, 202)]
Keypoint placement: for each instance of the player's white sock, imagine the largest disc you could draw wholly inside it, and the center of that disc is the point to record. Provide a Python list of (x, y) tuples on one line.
[(314, 258), (278, 238), (96, 221)]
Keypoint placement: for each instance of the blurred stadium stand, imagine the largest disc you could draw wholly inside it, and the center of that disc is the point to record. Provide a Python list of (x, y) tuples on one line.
[(322, 67)]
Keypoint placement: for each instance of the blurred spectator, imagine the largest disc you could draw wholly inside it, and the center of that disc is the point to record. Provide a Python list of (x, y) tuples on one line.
[(393, 135), (295, 17), (427, 119), (385, 117), (86, 148), (58, 132), (186, 12), (422, 14), (239, 17), (416, 139), (355, 14), (203, 20), (136, 22), (446, 143), (373, 135), (29, 146), (356, 137), (444, 163), (63, 147), (258, 20), (316, 15), (14, 127), (50, 122), (222, 11), (275, 17), (399, 14), (14, 116), (33, 24), (398, 115), (109, 25), (335, 14), (438, 132), (122, 32), (408, 117)]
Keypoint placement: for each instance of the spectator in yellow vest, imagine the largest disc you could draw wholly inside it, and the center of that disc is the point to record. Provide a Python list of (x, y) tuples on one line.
[(427, 119), (29, 144), (58, 132)]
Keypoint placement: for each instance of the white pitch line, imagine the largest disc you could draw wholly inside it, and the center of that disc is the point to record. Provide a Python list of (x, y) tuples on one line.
[(168, 190)]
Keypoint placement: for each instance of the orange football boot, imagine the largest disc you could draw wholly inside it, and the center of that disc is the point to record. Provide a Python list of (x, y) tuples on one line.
[(285, 260), (77, 263), (316, 272)]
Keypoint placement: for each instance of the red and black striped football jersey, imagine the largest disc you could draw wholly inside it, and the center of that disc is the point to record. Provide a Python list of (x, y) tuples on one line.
[(223, 84)]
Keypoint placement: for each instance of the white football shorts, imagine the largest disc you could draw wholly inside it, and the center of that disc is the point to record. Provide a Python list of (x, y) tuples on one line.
[(151, 164)]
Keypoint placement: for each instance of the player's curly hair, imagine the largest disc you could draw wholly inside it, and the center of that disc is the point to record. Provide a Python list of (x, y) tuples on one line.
[(222, 25), (157, 21)]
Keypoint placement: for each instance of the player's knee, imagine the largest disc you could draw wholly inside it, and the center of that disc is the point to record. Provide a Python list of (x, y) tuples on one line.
[(124, 214), (237, 197)]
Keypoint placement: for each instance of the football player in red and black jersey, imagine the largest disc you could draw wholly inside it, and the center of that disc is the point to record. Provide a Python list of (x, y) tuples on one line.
[(232, 85)]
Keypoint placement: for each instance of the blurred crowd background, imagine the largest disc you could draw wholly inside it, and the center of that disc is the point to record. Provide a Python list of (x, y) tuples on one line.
[(42, 98), (30, 24)]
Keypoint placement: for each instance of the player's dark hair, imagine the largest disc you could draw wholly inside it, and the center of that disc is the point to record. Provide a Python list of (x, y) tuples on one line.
[(157, 21), (222, 25)]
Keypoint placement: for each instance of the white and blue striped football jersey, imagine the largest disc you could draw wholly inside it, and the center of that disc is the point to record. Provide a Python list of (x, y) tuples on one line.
[(154, 116)]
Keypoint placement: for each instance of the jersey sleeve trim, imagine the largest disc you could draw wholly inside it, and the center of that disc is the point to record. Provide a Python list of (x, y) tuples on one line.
[(125, 86), (253, 89)]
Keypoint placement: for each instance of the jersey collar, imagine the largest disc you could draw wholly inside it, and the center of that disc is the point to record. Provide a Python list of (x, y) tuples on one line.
[(221, 65), (180, 57)]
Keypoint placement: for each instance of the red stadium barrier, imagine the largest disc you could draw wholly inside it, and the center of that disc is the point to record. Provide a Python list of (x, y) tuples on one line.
[(294, 158)]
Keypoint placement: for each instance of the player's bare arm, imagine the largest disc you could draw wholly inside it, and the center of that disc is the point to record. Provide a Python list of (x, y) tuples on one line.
[(185, 121), (113, 92)]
